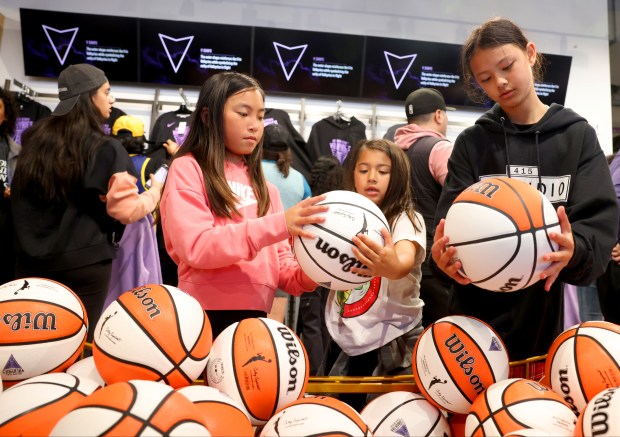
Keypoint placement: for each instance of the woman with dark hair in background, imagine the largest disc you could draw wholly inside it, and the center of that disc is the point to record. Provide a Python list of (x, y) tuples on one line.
[(73, 192), (9, 150)]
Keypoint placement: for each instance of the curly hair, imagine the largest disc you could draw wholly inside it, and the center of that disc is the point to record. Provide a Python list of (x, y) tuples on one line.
[(7, 128), (326, 175)]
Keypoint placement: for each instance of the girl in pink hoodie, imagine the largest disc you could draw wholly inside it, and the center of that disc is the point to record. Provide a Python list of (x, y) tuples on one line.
[(223, 224)]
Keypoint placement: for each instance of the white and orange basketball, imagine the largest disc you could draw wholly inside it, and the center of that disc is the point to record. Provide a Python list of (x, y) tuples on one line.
[(328, 258), (86, 368), (154, 332), (600, 416), (513, 404), (584, 360), (400, 413), (456, 359), (42, 330), (222, 415), (131, 408), (500, 228), (32, 407), (261, 364), (316, 416)]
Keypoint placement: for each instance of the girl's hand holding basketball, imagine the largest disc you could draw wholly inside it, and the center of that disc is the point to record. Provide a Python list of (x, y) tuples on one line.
[(445, 257), (378, 260), (304, 213), (563, 255)]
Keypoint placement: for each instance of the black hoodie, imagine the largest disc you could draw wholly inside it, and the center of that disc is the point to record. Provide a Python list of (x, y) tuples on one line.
[(562, 157)]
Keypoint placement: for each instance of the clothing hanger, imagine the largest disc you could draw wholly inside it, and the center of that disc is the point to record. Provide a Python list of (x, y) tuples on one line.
[(339, 115), (25, 93), (184, 108)]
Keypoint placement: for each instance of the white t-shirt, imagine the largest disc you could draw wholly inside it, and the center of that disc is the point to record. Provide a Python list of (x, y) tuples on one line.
[(371, 315)]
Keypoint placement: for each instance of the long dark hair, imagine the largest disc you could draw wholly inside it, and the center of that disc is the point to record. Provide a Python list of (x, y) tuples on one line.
[(398, 197), (7, 128), (55, 153), (205, 141), (494, 33)]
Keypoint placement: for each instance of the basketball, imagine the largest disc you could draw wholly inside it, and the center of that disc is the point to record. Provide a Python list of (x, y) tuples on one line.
[(222, 415), (133, 408), (86, 368), (456, 359), (584, 360), (155, 333), (43, 329), (32, 407), (500, 228), (514, 404), (600, 417), (328, 258), (400, 413), (261, 364), (316, 416)]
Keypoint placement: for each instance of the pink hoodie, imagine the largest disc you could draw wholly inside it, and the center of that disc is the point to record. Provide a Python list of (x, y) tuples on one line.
[(227, 264), (438, 160)]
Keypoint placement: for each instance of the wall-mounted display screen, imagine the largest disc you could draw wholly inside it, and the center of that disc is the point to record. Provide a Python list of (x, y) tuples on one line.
[(306, 62), (54, 40), (393, 68), (552, 89), (187, 53)]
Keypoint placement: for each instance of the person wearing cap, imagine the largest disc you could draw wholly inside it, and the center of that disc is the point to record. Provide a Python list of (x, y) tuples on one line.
[(424, 141), (74, 191), (276, 162)]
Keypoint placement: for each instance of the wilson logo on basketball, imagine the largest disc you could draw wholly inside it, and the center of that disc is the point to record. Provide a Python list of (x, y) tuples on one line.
[(565, 387), (600, 418), (39, 322), (293, 355), (345, 260), (148, 302), (512, 283), (485, 188), (466, 361)]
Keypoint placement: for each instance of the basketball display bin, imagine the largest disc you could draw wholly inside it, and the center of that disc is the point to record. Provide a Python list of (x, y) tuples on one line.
[(378, 384)]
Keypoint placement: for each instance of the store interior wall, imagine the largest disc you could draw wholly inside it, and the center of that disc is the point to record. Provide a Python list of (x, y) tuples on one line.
[(565, 27)]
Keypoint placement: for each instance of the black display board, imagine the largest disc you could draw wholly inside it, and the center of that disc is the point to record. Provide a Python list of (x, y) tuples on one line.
[(187, 53), (54, 40), (393, 68), (308, 62), (553, 87)]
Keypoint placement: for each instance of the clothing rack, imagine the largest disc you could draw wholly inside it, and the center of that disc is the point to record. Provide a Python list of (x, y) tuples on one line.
[(25, 90)]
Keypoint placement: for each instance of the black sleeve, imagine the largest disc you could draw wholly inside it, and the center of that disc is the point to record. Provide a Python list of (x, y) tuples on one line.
[(111, 158)]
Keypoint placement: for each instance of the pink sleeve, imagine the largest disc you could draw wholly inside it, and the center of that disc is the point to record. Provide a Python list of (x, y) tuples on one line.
[(438, 160), (190, 230), (124, 203)]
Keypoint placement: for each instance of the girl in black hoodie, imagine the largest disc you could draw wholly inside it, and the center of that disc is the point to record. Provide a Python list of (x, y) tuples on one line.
[(555, 150)]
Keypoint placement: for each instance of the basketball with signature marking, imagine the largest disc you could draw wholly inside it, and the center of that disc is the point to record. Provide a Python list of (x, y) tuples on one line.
[(154, 332), (328, 259), (43, 328), (456, 359), (261, 364), (500, 228)]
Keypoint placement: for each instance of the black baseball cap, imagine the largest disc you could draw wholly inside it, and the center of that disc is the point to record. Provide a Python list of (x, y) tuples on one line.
[(425, 101), (75, 80)]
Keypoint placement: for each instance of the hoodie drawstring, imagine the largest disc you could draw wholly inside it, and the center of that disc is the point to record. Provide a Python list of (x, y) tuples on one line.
[(503, 120), (508, 170)]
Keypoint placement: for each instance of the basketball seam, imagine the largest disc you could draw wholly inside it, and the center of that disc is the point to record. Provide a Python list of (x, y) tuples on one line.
[(277, 355), (342, 413), (356, 206), (386, 415)]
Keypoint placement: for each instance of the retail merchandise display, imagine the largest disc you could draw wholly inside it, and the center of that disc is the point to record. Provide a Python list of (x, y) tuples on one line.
[(315, 416), (501, 228), (584, 360), (34, 406), (43, 327), (135, 407), (260, 363), (456, 359), (404, 413), (513, 404), (329, 257), (170, 340)]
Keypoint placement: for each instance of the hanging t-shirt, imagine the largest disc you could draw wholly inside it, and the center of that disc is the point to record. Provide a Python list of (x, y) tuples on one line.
[(172, 125), (371, 315), (294, 140), (330, 136), (28, 112)]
